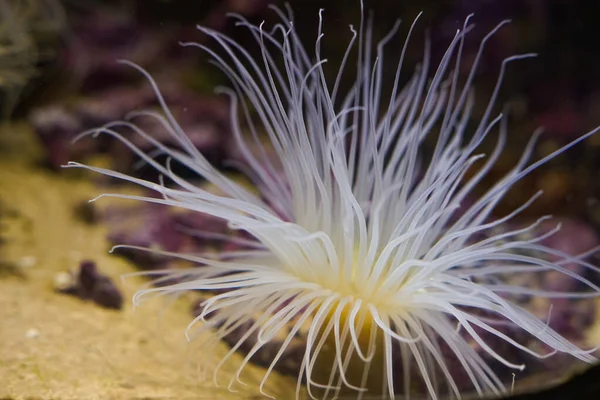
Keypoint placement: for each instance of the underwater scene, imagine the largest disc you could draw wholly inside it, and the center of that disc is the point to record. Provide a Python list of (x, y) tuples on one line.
[(309, 199)]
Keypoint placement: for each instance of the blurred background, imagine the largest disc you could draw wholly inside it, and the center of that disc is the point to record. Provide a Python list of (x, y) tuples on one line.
[(62, 333)]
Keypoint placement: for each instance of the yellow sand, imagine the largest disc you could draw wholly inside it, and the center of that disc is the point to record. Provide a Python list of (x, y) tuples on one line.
[(59, 347)]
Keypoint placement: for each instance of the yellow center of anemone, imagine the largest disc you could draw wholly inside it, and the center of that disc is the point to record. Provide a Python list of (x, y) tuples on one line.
[(350, 362), (348, 352)]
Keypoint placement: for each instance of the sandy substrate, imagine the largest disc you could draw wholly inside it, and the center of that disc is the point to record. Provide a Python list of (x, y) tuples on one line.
[(54, 346)]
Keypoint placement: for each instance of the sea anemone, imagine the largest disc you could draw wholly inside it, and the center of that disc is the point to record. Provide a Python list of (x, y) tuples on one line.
[(355, 234)]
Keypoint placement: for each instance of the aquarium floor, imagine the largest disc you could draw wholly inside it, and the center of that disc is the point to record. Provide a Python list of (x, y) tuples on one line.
[(54, 346)]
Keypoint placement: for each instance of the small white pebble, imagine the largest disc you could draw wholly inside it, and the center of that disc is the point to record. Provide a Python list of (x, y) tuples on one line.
[(27, 261), (63, 280), (32, 333)]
